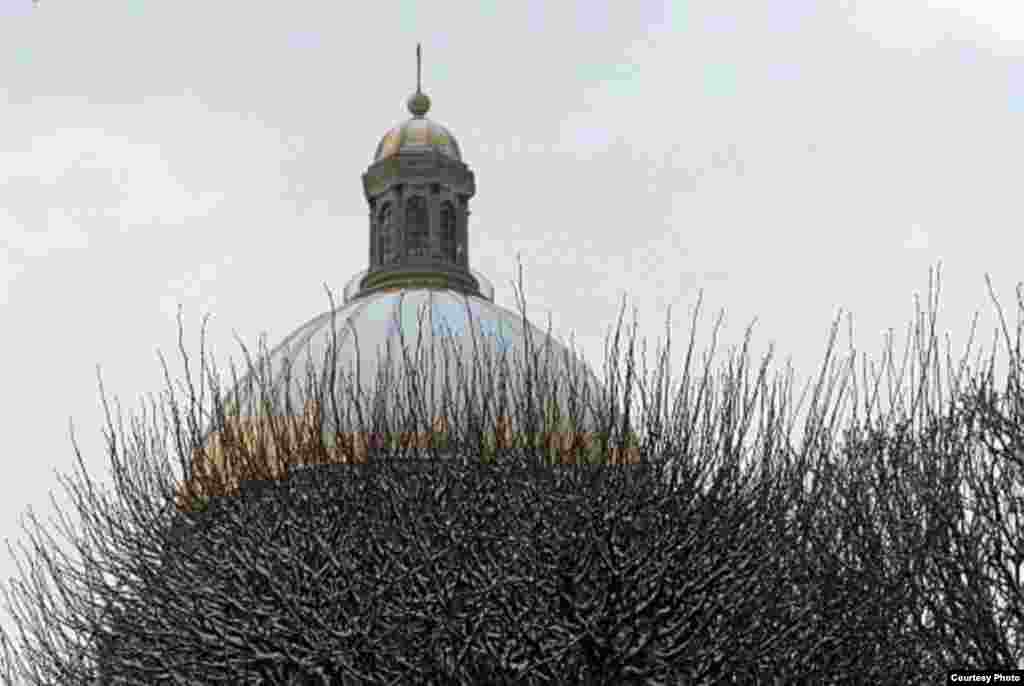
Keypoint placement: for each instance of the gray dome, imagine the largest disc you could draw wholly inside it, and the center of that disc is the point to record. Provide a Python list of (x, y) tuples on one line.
[(373, 320)]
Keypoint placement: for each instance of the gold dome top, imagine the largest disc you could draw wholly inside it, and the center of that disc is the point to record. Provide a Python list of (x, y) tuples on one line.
[(418, 133)]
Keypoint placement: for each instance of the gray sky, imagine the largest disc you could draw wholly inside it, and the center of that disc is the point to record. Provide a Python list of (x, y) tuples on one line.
[(790, 157)]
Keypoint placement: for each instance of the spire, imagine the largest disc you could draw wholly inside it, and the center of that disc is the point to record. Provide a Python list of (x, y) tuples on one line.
[(418, 103)]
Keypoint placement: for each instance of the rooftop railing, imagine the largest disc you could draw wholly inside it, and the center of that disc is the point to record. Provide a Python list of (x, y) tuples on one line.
[(352, 288)]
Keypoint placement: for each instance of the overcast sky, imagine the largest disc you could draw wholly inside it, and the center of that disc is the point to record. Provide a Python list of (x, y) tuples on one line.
[(789, 157)]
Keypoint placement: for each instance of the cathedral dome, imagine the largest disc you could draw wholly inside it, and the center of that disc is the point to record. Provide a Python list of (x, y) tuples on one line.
[(364, 339), (417, 304), (456, 344)]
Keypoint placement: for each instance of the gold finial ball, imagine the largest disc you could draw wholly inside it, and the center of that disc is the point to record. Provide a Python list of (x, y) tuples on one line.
[(418, 103)]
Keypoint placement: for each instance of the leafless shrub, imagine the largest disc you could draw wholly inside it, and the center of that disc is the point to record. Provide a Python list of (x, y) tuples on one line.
[(679, 551)]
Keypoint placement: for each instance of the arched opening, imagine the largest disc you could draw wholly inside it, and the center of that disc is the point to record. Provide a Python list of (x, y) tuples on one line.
[(385, 250), (417, 232), (448, 231)]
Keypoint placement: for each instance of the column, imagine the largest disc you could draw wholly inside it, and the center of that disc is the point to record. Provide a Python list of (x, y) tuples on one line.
[(463, 214), (373, 236)]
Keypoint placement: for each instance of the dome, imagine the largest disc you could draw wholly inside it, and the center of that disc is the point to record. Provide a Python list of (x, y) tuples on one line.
[(418, 134), (360, 331), (450, 320)]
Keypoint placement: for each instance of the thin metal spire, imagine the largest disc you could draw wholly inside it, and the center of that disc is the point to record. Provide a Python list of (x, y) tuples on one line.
[(418, 102)]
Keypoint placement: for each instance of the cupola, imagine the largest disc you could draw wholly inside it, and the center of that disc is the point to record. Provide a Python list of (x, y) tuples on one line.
[(418, 190)]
